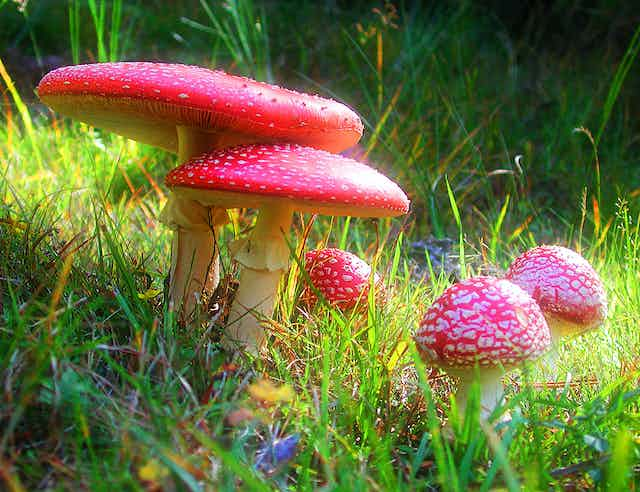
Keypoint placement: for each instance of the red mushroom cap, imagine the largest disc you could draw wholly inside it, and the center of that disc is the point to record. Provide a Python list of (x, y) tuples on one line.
[(146, 101), (564, 284), (311, 180), (485, 320), (341, 277)]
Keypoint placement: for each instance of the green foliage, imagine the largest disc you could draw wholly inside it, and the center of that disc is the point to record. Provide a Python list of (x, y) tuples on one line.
[(102, 388)]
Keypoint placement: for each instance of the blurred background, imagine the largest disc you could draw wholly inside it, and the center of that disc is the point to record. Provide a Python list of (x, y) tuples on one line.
[(446, 89)]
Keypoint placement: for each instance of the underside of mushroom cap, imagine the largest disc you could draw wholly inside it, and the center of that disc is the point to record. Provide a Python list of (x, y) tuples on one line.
[(146, 101), (482, 320), (564, 284), (306, 179)]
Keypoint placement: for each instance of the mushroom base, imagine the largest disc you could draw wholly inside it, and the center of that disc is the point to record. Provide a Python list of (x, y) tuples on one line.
[(253, 303), (559, 329)]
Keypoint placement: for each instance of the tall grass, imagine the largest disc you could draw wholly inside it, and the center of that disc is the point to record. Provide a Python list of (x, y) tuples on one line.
[(101, 387)]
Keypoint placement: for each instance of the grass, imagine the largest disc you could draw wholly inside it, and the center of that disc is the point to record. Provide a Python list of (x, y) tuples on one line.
[(101, 388)]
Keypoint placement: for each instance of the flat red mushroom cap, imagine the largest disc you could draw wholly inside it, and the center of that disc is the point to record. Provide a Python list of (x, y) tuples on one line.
[(341, 277), (146, 101), (563, 283), (311, 180), (485, 320)]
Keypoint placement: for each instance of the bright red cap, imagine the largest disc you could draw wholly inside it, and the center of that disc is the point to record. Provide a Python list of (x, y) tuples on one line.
[(341, 277), (311, 180), (485, 320), (146, 101), (564, 284)]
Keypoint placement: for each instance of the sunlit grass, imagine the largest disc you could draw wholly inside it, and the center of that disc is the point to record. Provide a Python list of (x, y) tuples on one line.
[(101, 386)]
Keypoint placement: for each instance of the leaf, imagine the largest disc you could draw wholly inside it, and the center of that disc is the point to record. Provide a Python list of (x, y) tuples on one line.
[(598, 443), (152, 471), (149, 294), (265, 391), (397, 352)]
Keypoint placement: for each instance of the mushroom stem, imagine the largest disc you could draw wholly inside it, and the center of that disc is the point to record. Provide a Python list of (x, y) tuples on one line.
[(490, 390), (195, 264), (552, 357), (194, 259), (195, 269), (264, 257)]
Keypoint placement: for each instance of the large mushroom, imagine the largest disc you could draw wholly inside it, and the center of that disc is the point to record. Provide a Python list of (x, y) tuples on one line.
[(278, 179), (482, 322), (341, 277), (189, 110)]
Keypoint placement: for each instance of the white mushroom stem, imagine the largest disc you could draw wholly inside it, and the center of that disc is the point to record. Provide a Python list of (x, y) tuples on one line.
[(491, 390), (264, 257), (559, 329), (195, 265)]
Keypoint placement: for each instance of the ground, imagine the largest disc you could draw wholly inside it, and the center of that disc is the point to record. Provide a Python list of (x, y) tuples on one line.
[(503, 139)]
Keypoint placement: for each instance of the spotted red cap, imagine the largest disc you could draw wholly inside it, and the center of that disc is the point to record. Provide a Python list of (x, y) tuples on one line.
[(146, 101), (485, 320), (564, 284), (341, 277), (311, 180)]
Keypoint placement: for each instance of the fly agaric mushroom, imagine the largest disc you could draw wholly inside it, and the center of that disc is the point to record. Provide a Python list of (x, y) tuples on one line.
[(565, 286), (189, 110), (279, 179), (341, 277), (486, 322)]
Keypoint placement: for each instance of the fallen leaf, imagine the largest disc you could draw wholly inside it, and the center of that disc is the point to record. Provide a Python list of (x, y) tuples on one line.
[(149, 294), (265, 391), (152, 471)]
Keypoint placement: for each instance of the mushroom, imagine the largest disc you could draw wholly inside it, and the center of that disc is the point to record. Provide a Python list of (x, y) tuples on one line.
[(482, 322), (189, 110), (565, 286), (278, 179), (341, 277)]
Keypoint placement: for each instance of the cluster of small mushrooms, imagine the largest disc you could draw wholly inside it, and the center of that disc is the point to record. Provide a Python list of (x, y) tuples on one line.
[(247, 144)]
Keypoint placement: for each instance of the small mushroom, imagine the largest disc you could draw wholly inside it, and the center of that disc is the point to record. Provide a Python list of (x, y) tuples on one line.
[(341, 277), (189, 110), (566, 287), (278, 179), (482, 322)]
